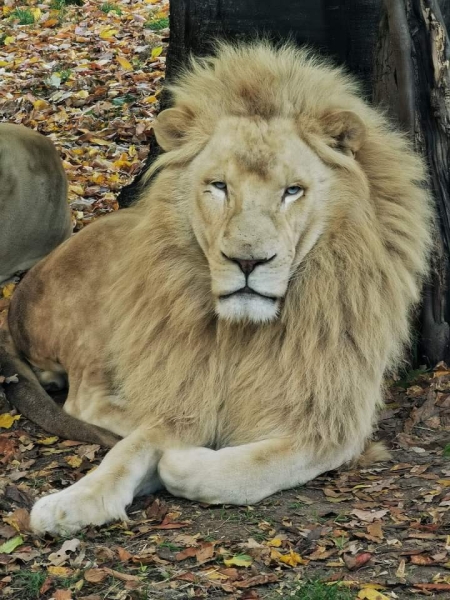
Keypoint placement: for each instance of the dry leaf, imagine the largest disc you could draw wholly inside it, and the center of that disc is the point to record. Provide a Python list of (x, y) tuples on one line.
[(7, 420), (369, 516), (74, 461), (371, 594), (240, 560)]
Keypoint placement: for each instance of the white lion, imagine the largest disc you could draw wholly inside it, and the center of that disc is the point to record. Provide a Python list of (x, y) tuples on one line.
[(234, 327)]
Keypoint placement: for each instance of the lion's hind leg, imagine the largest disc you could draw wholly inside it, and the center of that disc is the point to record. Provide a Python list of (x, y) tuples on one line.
[(244, 474), (103, 495)]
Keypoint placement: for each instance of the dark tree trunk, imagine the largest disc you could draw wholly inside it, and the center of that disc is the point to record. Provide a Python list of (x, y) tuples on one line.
[(408, 73), (412, 79), (345, 30)]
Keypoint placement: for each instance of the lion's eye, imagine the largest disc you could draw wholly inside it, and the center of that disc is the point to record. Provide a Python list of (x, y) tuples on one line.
[(220, 185), (293, 190)]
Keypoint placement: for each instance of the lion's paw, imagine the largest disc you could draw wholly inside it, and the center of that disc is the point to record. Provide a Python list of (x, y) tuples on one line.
[(70, 510)]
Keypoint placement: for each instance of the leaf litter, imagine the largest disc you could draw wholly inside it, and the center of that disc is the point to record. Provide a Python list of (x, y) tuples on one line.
[(88, 75)]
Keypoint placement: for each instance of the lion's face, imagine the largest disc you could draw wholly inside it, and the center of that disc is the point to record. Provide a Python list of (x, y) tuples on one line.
[(257, 206)]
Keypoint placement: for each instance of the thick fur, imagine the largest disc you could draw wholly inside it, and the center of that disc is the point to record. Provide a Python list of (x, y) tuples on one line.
[(231, 402), (34, 214)]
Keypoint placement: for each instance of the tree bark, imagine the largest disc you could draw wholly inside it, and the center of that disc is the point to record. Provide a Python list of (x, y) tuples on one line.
[(346, 31), (412, 80)]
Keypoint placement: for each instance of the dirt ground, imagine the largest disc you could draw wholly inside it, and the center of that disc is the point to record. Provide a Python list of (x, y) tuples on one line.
[(376, 533)]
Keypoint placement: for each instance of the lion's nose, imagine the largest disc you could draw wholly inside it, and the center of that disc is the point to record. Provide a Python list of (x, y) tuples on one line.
[(248, 265)]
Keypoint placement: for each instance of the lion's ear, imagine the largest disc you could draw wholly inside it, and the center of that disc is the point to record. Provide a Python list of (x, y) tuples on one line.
[(170, 128), (346, 129)]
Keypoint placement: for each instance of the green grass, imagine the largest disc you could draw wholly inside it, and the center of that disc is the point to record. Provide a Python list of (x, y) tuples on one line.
[(24, 16), (29, 582), (61, 4), (157, 24), (108, 7)]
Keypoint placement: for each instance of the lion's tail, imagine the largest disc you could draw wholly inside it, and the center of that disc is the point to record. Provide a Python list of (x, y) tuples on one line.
[(373, 452), (31, 400)]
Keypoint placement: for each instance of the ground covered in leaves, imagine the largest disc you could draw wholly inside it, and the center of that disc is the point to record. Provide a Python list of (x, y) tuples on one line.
[(88, 75)]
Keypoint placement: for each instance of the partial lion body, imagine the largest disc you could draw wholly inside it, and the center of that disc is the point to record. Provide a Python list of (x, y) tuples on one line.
[(224, 410), (34, 214)]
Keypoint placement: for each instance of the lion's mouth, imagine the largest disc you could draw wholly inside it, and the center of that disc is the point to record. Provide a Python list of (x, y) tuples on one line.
[(248, 291)]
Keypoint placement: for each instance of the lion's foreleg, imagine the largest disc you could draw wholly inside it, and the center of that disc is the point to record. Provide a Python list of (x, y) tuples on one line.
[(244, 474), (102, 496)]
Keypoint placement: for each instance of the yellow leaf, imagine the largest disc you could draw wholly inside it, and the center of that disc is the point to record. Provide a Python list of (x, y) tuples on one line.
[(149, 99), (292, 559), (60, 571), (107, 33), (151, 1), (38, 104), (275, 543), (36, 13), (48, 441), (156, 51), (6, 10), (74, 461), (9, 39), (6, 420), (124, 63), (8, 290), (4, 63), (240, 560), (82, 94), (444, 482), (76, 189), (370, 594)]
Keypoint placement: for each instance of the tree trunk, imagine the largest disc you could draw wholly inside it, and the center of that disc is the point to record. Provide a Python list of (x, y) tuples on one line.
[(412, 80), (344, 30)]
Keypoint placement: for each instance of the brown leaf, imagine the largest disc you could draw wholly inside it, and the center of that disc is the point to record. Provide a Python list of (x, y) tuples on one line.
[(121, 576), (422, 559), (95, 575), (124, 555), (20, 520), (256, 580), (62, 595), (104, 554), (375, 530), (46, 586), (205, 552), (433, 587), (186, 553), (356, 562), (369, 516)]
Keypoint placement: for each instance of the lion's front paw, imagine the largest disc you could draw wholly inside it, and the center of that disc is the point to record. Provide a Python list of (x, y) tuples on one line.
[(70, 510)]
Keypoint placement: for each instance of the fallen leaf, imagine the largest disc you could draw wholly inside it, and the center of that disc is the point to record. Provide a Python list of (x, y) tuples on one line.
[(371, 594), (48, 441), (62, 595), (356, 562), (124, 63), (156, 51), (74, 461), (108, 33), (95, 575), (240, 560), (11, 545), (369, 516), (59, 571), (6, 420)]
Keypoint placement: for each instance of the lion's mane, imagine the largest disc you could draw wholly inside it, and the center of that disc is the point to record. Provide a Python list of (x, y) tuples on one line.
[(315, 373)]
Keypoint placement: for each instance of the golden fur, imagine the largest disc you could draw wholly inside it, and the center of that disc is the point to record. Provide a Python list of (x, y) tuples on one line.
[(160, 348)]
